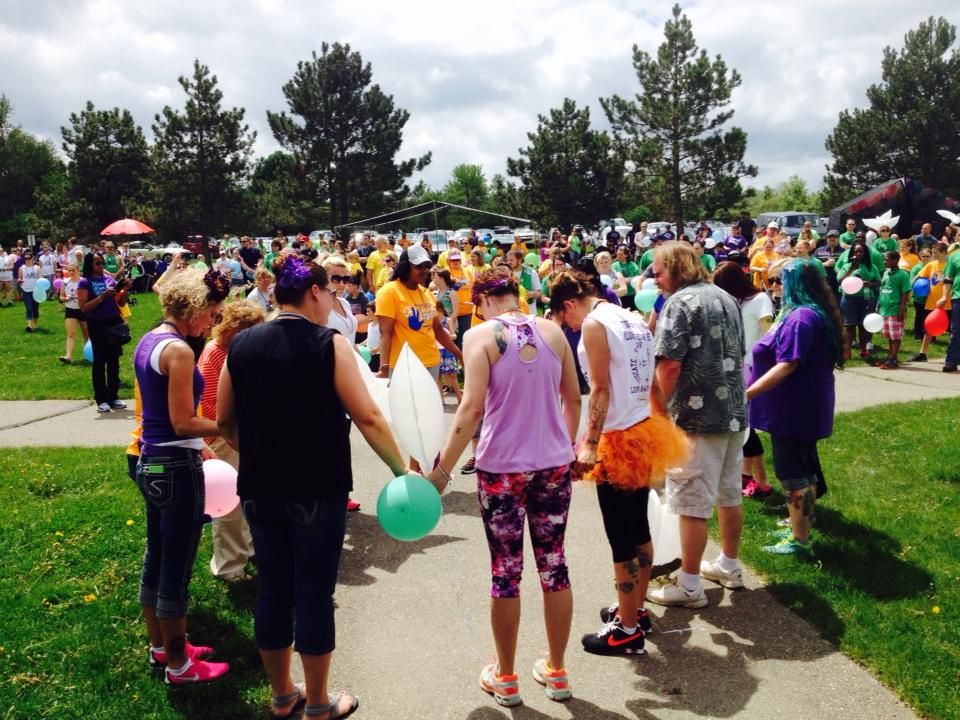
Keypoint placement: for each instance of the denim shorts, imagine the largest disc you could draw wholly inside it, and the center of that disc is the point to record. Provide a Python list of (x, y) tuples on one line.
[(796, 462), (853, 309), (297, 548), (172, 489)]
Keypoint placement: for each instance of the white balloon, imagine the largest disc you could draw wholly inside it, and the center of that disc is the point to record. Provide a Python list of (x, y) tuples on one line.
[(417, 409), (649, 284), (873, 323), (666, 539)]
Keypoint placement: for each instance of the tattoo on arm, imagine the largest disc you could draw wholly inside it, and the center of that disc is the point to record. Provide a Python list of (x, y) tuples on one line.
[(597, 416), (644, 559), (500, 335)]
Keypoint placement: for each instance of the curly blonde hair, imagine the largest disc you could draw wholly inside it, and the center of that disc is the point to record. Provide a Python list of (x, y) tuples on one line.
[(238, 316), (681, 262), (185, 294)]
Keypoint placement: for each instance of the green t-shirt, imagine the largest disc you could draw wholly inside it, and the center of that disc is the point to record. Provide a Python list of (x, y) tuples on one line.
[(268, 260), (646, 260), (628, 269), (885, 246), (846, 239), (893, 286), (952, 271), (876, 260), (709, 262), (111, 263)]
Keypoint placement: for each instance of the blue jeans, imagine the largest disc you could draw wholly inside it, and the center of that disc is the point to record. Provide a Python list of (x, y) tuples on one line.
[(297, 551), (172, 488), (953, 349), (31, 306)]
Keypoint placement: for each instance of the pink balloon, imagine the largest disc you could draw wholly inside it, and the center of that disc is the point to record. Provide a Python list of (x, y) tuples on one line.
[(220, 482), (57, 282), (851, 285)]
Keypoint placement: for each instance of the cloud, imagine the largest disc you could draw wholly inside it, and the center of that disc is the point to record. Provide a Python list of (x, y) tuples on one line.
[(474, 76)]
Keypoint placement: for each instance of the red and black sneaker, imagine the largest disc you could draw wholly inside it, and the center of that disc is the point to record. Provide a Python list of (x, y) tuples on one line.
[(612, 640), (608, 614)]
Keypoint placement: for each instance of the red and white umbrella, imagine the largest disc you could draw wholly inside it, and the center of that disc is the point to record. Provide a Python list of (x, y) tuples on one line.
[(127, 226)]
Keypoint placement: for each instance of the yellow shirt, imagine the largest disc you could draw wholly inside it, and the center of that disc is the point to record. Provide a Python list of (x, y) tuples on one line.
[(908, 261), (381, 277), (442, 260), (355, 268), (412, 312), (759, 264), (464, 292), (134, 447), (933, 271), (375, 263)]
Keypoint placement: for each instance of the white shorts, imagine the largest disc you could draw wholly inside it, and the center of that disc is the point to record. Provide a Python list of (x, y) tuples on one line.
[(711, 476)]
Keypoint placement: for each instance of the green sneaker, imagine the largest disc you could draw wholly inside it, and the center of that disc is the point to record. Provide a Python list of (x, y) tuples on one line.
[(782, 533), (789, 546)]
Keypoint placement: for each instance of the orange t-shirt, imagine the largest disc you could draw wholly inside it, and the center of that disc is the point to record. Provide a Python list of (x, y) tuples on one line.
[(210, 363)]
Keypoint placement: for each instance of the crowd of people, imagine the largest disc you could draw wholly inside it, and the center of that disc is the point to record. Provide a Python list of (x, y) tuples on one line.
[(744, 337)]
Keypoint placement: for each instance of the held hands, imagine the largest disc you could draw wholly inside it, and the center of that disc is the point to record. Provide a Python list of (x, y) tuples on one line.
[(383, 372), (941, 302), (207, 454), (586, 459)]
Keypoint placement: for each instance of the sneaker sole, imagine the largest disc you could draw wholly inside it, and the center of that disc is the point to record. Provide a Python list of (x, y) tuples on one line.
[(691, 604), (555, 695)]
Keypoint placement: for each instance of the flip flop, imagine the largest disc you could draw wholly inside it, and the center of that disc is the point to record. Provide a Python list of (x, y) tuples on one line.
[(331, 710), (299, 695)]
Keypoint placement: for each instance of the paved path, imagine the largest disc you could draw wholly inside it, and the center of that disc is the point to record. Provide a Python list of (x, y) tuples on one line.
[(412, 617)]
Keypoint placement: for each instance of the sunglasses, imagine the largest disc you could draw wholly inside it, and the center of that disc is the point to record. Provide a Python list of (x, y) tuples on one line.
[(776, 281), (339, 278)]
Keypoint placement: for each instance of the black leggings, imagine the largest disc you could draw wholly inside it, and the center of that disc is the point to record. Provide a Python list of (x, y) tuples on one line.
[(106, 360), (625, 520)]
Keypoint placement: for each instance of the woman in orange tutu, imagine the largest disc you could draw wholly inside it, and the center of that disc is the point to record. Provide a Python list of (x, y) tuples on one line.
[(628, 445)]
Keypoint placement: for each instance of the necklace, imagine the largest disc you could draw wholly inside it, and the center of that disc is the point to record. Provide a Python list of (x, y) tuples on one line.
[(509, 310), (292, 314), (594, 306), (176, 330)]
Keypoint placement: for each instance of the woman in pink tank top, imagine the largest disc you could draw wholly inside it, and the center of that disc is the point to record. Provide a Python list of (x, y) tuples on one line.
[(519, 370)]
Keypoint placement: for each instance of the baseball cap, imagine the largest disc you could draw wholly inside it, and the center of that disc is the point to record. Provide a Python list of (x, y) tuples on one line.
[(416, 255), (833, 233), (772, 226), (453, 255)]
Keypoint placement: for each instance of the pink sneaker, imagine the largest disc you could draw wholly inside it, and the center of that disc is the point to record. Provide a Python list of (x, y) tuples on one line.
[(194, 652), (198, 671), (750, 488), (352, 505)]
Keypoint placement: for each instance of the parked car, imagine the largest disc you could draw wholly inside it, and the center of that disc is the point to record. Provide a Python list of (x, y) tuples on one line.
[(790, 221), (200, 245), (527, 235), (316, 235), (165, 253)]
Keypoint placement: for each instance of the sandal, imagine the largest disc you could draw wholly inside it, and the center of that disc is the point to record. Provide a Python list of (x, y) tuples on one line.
[(298, 697), (65, 360), (331, 710)]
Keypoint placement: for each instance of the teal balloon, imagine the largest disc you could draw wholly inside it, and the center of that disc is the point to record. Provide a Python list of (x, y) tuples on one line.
[(365, 353), (645, 300), (43, 284), (39, 295), (88, 352), (531, 260), (486, 258), (408, 508)]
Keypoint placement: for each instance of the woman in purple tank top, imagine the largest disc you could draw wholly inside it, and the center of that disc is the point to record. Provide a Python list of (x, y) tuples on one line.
[(170, 474), (518, 368)]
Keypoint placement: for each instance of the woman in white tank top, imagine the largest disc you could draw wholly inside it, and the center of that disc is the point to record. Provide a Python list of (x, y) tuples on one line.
[(628, 445)]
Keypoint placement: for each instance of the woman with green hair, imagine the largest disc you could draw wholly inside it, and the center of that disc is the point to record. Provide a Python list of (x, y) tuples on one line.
[(791, 393)]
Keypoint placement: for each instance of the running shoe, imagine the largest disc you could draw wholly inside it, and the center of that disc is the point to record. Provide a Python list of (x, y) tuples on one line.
[(556, 683), (612, 640), (103, 407), (469, 467), (675, 594), (118, 405), (608, 614), (198, 671), (504, 688), (919, 357), (194, 652), (731, 580), (352, 505), (789, 546)]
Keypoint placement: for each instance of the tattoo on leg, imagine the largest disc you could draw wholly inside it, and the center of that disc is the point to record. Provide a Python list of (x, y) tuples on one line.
[(644, 559), (808, 505), (632, 568), (795, 498), (626, 587)]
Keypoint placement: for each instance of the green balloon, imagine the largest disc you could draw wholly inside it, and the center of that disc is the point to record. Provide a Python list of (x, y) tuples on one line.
[(39, 295), (365, 353), (486, 258), (531, 259), (408, 508), (645, 299)]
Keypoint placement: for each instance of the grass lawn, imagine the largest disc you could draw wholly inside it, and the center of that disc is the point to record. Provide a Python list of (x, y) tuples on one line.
[(885, 583), (73, 643), (31, 368)]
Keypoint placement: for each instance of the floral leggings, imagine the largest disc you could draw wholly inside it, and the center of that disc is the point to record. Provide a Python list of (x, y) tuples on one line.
[(505, 499)]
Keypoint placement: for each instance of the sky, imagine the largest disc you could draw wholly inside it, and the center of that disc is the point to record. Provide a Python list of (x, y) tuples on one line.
[(473, 76)]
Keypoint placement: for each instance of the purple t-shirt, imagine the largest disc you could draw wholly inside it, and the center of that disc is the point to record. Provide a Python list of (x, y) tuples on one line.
[(97, 286), (800, 407)]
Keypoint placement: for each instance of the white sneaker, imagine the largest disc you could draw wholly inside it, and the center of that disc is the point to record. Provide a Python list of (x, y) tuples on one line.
[(675, 594), (713, 571), (103, 407), (118, 405), (869, 347)]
